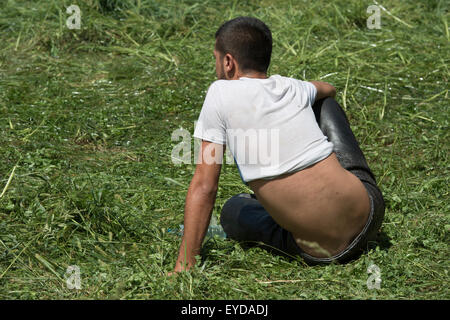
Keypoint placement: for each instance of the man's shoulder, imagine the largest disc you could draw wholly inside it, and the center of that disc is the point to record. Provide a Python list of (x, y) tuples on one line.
[(245, 86), (227, 87), (290, 79), (219, 84)]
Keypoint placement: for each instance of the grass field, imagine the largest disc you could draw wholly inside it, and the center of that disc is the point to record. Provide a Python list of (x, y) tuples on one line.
[(86, 118)]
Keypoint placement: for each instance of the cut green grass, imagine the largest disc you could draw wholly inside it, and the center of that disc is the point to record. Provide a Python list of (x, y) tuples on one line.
[(86, 118)]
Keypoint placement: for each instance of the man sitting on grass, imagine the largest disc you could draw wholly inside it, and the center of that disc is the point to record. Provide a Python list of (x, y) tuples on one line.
[(314, 194)]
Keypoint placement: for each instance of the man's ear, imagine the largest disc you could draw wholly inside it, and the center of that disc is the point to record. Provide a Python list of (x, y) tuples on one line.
[(229, 62), (230, 66)]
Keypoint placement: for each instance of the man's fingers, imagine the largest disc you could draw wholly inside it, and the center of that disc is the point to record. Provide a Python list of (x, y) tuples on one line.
[(174, 273)]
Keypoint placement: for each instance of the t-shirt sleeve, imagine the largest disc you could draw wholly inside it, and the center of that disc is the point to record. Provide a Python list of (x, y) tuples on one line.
[(310, 90), (210, 126)]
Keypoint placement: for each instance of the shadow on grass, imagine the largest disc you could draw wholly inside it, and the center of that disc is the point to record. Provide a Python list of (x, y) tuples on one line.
[(382, 240)]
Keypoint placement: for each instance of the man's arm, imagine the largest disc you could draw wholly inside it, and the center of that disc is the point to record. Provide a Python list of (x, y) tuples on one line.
[(200, 200), (324, 89)]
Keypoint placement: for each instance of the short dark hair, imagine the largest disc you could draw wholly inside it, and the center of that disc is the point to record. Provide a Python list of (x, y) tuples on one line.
[(248, 40)]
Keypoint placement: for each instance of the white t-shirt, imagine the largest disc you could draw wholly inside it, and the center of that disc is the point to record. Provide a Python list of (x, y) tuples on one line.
[(268, 125)]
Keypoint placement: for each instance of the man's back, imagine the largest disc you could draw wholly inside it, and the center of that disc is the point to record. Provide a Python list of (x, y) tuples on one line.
[(323, 203), (268, 125)]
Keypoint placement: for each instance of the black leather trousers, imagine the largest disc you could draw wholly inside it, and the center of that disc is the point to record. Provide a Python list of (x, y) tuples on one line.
[(244, 219)]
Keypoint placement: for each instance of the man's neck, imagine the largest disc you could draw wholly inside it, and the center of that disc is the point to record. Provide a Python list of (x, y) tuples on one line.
[(254, 75), (250, 74)]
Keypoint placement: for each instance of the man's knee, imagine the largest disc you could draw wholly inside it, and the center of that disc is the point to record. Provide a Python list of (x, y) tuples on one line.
[(230, 211)]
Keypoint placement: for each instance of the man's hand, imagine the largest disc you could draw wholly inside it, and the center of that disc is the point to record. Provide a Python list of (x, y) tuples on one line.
[(200, 200), (324, 90), (180, 267)]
